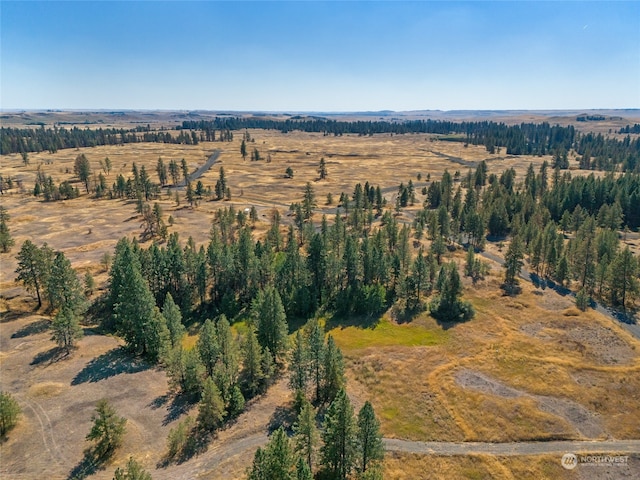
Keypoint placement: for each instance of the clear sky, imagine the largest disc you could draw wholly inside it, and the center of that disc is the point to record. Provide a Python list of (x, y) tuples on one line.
[(319, 56)]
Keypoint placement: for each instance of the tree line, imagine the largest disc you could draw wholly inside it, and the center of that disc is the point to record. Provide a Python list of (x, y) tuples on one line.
[(23, 140), (597, 151)]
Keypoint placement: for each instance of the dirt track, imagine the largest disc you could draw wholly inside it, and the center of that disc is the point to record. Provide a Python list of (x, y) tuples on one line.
[(616, 447)]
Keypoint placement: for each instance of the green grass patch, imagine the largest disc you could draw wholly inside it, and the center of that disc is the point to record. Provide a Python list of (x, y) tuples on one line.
[(387, 334)]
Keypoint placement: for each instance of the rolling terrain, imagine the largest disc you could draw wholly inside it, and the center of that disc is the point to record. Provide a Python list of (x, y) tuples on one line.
[(504, 395)]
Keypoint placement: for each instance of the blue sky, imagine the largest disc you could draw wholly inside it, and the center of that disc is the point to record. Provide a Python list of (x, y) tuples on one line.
[(319, 56)]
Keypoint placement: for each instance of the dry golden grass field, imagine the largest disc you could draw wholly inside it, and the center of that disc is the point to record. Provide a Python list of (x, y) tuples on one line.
[(530, 367)]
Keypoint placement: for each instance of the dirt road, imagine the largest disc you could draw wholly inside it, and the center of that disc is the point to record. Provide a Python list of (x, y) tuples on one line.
[(616, 447), (202, 169)]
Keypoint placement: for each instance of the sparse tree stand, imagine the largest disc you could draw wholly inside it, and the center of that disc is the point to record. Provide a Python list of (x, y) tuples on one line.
[(9, 413), (107, 431)]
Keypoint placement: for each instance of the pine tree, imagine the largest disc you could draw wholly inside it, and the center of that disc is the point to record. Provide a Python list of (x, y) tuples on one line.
[(158, 337), (243, 150), (190, 195), (193, 372), (34, 266), (583, 299), (299, 364), (211, 411), (136, 316), (322, 169), (63, 286), (185, 170), (180, 437), (306, 435), (107, 431), (226, 372), (623, 278), (420, 276), (468, 265), (236, 403), (339, 437), (208, 346), (252, 374), (584, 254), (66, 329), (288, 173), (6, 242), (161, 170), (173, 317), (308, 201), (272, 322), (315, 336), (303, 472), (369, 439), (89, 284), (82, 169), (513, 263), (174, 171), (333, 372), (275, 461)]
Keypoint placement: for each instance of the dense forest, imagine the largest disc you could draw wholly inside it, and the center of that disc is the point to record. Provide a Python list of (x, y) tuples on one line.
[(597, 152)]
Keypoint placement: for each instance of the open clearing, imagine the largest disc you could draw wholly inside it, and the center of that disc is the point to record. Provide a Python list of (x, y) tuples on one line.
[(526, 368)]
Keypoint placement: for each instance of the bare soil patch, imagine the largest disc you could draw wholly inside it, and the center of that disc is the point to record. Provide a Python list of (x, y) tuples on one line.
[(585, 422)]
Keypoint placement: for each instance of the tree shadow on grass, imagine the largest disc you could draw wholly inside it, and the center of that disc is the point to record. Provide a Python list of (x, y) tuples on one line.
[(283, 416), (180, 404), (50, 356), (33, 328), (87, 466), (406, 314), (355, 320), (109, 364), (196, 443), (11, 315)]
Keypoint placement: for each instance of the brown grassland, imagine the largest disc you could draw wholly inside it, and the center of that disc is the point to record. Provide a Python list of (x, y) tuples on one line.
[(530, 367)]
